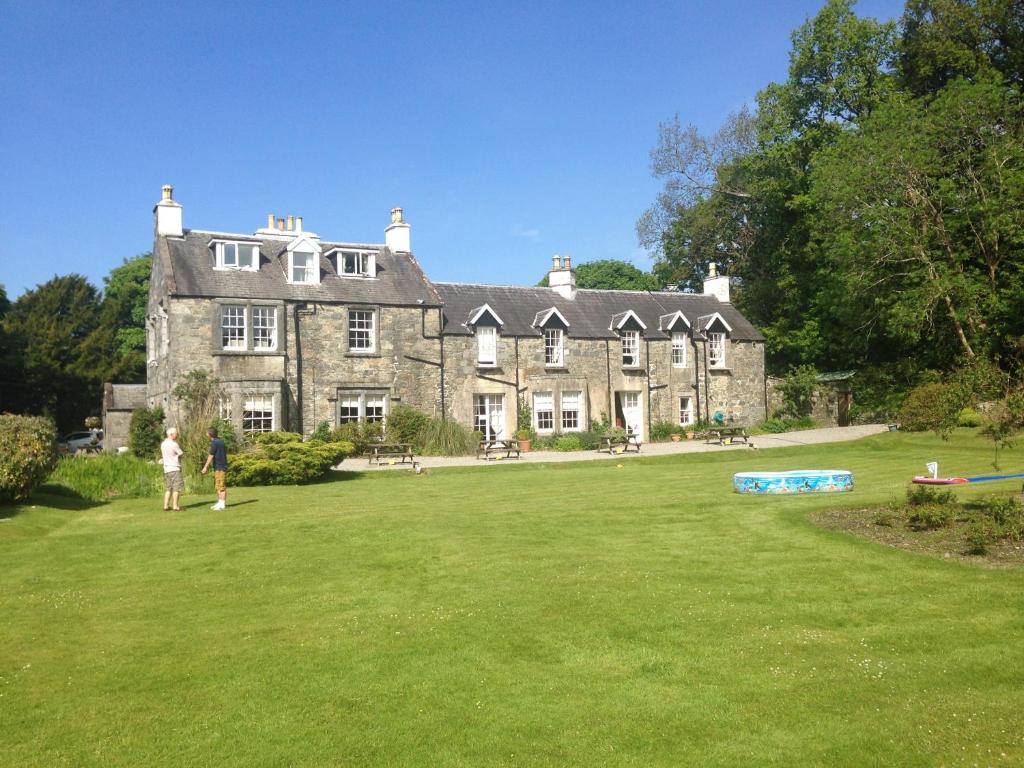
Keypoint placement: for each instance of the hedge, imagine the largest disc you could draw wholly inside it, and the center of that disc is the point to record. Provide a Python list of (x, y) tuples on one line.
[(28, 453), (281, 458)]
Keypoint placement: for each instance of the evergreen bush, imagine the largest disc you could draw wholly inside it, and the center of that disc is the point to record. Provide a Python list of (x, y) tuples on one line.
[(285, 460), (146, 432), (28, 453), (927, 407), (406, 424)]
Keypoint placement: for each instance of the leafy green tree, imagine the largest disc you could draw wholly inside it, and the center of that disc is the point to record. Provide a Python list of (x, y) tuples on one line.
[(49, 326), (922, 221), (612, 274), (117, 347), (11, 390)]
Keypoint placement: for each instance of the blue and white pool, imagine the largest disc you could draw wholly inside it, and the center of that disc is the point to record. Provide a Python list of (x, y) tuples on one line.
[(797, 481)]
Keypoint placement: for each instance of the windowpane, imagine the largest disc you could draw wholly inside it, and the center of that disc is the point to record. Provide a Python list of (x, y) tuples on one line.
[(489, 416), (630, 349), (355, 263), (571, 411), (375, 408), (543, 411), (264, 327), (553, 346), (230, 254), (258, 414), (247, 256), (716, 350), (360, 330), (679, 350), (302, 267), (685, 411), (232, 327), (224, 408), (487, 345), (348, 409)]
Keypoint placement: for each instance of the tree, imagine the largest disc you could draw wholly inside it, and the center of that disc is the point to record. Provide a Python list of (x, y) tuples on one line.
[(49, 326), (612, 274), (922, 221), (11, 390), (117, 347)]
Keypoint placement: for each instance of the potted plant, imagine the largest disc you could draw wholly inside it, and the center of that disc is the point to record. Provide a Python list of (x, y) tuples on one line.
[(676, 437), (525, 440)]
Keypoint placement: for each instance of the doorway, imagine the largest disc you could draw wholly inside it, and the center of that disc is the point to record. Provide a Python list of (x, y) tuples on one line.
[(628, 413)]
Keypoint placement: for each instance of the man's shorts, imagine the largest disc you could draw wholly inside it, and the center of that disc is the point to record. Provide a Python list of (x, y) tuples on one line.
[(219, 481), (173, 481)]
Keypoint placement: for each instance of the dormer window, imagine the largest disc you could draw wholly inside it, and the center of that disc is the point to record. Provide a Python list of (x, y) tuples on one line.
[(302, 267), (678, 349), (630, 348), (553, 347), (486, 345), (238, 256), (356, 263), (716, 350)]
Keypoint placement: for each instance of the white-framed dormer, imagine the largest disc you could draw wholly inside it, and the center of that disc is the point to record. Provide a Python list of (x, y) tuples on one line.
[(554, 327), (302, 261), (629, 328), (486, 325), (235, 255), (677, 326), (717, 332), (354, 262)]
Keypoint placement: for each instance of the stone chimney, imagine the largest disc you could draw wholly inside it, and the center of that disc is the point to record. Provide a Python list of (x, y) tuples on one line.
[(561, 278), (716, 285), (396, 236), (168, 214)]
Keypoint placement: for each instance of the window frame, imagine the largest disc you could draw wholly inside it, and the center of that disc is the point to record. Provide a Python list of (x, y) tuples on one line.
[(564, 411), (248, 409), (313, 267), (224, 327), (630, 339), (367, 260), (688, 411), (370, 331), (679, 345), (486, 336), (360, 398), (275, 338), (717, 339), (220, 256), (554, 342), (255, 309), (546, 398)]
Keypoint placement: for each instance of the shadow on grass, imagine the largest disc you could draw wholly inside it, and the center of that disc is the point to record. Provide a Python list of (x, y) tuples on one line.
[(53, 496), (207, 504)]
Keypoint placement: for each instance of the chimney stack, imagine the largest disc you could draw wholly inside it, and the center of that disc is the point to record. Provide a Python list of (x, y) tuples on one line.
[(270, 221), (561, 278), (168, 213), (291, 222), (396, 236), (716, 285), (298, 223)]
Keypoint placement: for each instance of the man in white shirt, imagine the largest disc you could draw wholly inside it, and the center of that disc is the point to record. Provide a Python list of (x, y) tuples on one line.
[(173, 484)]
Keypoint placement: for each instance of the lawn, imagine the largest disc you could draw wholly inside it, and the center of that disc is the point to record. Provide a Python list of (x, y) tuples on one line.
[(565, 615)]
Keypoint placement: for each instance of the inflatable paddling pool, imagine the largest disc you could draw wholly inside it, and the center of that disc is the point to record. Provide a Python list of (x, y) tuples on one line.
[(799, 481)]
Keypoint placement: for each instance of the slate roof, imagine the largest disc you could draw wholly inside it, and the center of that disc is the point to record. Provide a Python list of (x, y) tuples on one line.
[(399, 281), (589, 314)]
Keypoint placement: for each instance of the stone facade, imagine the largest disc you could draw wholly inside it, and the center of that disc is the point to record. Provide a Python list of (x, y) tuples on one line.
[(423, 348)]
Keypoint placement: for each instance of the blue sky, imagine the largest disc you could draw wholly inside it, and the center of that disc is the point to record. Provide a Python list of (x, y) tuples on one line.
[(507, 131)]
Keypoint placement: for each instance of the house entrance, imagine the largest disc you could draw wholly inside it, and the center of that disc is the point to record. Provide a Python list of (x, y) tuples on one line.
[(489, 416), (628, 414)]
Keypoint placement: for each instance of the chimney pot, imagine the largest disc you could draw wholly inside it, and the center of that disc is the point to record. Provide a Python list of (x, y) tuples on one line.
[(168, 192), (298, 223), (291, 223), (566, 264), (396, 216), (396, 234), (270, 221), (280, 224), (556, 262), (712, 269), (168, 213)]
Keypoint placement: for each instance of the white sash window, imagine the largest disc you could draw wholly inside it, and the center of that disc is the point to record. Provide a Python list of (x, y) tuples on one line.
[(630, 349), (716, 350), (678, 349), (543, 412), (487, 345)]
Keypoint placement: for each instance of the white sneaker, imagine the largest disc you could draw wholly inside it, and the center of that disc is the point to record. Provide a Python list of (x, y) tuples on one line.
[(217, 507)]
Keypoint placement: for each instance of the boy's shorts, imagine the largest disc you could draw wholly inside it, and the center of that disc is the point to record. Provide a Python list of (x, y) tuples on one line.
[(219, 480), (173, 481)]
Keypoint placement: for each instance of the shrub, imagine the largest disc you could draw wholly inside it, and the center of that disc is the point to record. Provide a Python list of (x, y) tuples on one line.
[(922, 495), (778, 425), (28, 453), (406, 424), (928, 517), (969, 417), (663, 430), (1007, 516), (277, 461), (106, 476), (888, 517), (145, 432), (797, 391), (567, 443), (447, 438), (980, 533), (927, 407), (322, 433), (589, 441), (275, 438), (360, 433), (600, 425)]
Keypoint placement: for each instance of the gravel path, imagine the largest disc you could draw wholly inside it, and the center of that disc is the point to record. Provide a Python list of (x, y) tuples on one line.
[(785, 440)]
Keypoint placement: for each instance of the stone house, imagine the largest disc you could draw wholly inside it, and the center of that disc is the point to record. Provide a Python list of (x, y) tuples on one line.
[(302, 330)]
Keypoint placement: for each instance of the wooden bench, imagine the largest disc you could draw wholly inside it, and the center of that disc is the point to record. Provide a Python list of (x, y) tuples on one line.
[(620, 443), (727, 436), (498, 449), (390, 453)]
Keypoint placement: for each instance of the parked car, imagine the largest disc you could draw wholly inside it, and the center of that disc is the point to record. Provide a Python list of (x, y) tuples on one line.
[(76, 441)]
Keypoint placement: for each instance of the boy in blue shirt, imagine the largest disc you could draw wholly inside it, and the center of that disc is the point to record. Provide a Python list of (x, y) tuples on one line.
[(219, 458)]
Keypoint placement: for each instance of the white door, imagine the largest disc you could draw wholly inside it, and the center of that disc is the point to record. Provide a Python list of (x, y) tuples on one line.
[(489, 416), (631, 412)]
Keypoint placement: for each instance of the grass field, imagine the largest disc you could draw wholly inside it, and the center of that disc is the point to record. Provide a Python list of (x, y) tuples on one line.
[(563, 615)]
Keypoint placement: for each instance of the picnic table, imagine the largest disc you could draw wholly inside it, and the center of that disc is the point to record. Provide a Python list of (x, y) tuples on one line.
[(727, 436), (390, 453), (620, 442), (498, 449)]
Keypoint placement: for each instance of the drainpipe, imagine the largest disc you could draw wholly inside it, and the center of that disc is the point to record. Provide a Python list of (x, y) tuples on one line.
[(707, 386), (696, 376), (647, 351), (298, 362), (440, 339), (608, 364)]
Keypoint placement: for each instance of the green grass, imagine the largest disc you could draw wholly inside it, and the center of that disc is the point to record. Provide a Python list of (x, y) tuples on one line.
[(562, 614)]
